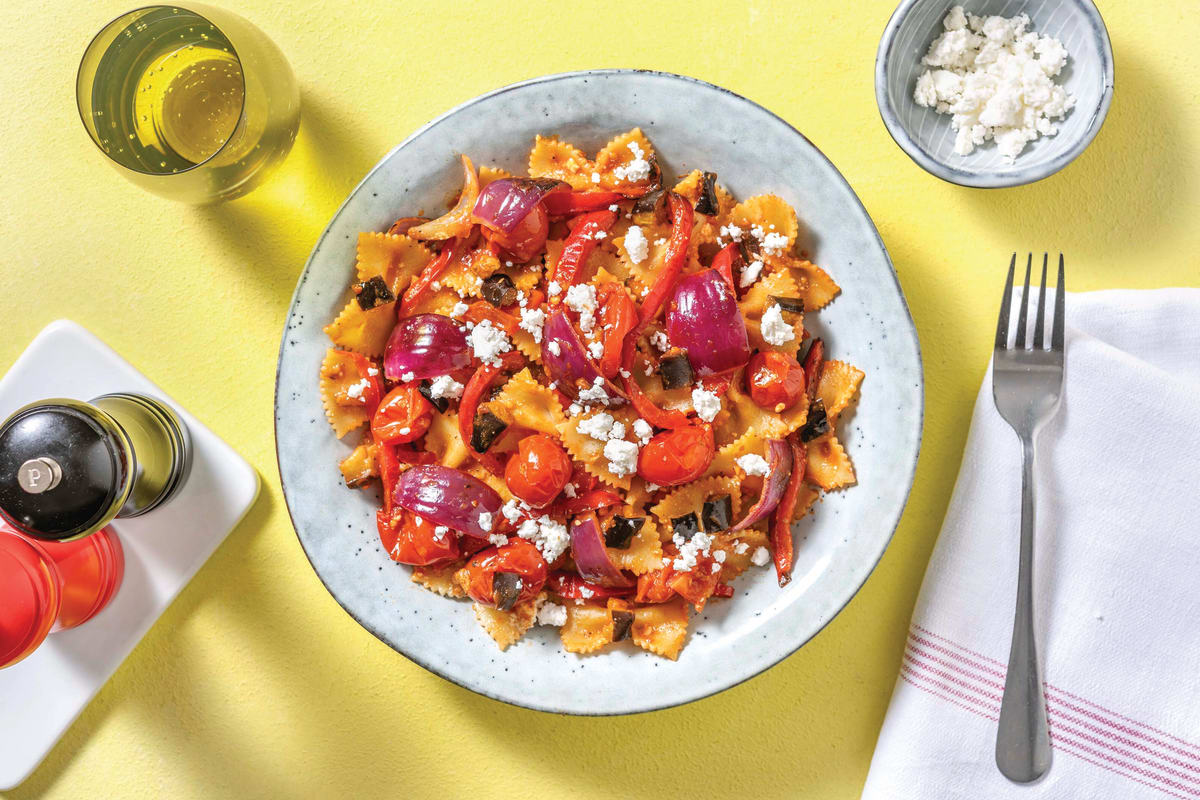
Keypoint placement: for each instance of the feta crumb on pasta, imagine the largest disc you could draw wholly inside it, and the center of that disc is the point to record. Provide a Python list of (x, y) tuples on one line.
[(761, 557), (753, 464), (774, 330), (706, 403), (532, 320), (443, 386), (622, 457), (552, 614), (636, 245)]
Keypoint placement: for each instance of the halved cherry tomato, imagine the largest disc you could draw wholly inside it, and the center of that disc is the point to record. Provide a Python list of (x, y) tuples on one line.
[(814, 363), (539, 470), (524, 241), (562, 204), (519, 557), (677, 456), (402, 417), (572, 587), (655, 586), (580, 245), (409, 539), (618, 315), (775, 380)]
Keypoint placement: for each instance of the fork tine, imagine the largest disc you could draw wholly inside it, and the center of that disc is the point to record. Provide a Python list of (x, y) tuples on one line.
[(1056, 338), (1005, 307), (1039, 324), (1022, 316)]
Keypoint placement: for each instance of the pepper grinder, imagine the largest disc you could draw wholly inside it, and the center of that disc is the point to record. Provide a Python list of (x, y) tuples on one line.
[(68, 468)]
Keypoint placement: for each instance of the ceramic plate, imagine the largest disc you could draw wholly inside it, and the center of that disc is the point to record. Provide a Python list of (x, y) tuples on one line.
[(692, 124)]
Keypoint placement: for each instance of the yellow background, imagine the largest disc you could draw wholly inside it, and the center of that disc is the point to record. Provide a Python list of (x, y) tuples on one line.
[(255, 683)]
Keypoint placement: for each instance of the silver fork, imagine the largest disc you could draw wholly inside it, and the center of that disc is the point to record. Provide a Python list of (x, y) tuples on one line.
[(1027, 388)]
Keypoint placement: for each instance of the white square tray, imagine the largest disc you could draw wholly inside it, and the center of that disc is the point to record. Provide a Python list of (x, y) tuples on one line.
[(41, 696)]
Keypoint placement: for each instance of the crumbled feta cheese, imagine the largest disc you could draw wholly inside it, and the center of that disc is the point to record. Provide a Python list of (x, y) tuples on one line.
[(552, 614), (750, 273), (405, 377), (995, 78), (405, 431), (596, 350), (706, 403), (594, 393), (355, 391), (622, 457), (732, 232), (489, 342), (761, 557), (652, 487), (690, 550), (555, 348), (618, 431), (372, 372), (660, 241), (581, 298), (445, 386), (715, 568), (642, 430), (774, 243), (459, 309), (740, 547), (586, 592), (597, 426), (574, 410), (660, 340), (719, 556), (753, 464), (598, 235), (498, 539), (595, 177), (550, 537), (614, 207), (485, 520), (774, 329), (636, 170), (532, 320), (636, 245), (552, 288), (440, 532), (649, 370), (569, 490), (512, 511)]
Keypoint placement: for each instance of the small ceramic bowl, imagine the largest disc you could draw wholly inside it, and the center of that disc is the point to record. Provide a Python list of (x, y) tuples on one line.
[(926, 136)]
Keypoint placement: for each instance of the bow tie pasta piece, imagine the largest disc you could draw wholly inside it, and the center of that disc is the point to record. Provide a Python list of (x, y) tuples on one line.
[(396, 259), (838, 384), (661, 628), (828, 465), (439, 579), (551, 158), (341, 392), (588, 628), (644, 552), (817, 288), (506, 627), (532, 405)]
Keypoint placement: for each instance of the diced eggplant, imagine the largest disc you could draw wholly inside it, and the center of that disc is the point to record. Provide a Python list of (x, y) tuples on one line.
[(372, 293), (486, 429), (817, 423), (650, 207), (708, 204), (440, 403), (686, 526), (675, 370), (792, 304), (622, 625), (622, 530), (717, 514), (499, 290), (506, 588)]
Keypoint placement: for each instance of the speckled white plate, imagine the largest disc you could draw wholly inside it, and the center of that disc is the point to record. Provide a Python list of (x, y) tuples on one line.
[(692, 124)]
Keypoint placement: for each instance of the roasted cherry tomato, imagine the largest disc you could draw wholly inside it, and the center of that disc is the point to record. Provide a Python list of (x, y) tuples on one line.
[(539, 470), (519, 558), (655, 586), (775, 380), (677, 456), (409, 539), (403, 416), (526, 240)]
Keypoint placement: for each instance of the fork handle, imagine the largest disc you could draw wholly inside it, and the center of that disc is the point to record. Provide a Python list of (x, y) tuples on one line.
[(1023, 737)]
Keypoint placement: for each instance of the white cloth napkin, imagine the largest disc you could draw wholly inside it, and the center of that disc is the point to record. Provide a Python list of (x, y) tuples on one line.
[(1117, 576)]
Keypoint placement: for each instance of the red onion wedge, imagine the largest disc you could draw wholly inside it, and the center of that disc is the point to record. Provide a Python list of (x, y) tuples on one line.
[(703, 318), (591, 559), (779, 469), (567, 362), (446, 496), (457, 221), (505, 202), (426, 345)]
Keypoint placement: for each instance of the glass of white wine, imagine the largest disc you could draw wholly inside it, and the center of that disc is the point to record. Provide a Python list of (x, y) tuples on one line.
[(188, 101)]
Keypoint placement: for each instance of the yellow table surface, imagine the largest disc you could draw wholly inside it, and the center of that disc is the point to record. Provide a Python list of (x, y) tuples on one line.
[(255, 683)]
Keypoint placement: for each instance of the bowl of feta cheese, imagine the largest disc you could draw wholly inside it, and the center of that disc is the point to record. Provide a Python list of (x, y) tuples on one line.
[(994, 93)]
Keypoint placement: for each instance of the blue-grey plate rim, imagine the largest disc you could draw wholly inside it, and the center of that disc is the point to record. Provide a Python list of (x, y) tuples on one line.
[(910, 329), (974, 180)]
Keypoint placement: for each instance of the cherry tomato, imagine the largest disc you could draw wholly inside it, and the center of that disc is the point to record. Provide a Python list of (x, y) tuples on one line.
[(519, 557), (775, 380), (677, 456), (409, 539), (527, 239), (654, 586), (618, 316), (538, 471), (403, 416)]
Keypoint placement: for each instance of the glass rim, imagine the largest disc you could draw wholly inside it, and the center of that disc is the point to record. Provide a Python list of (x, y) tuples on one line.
[(92, 43)]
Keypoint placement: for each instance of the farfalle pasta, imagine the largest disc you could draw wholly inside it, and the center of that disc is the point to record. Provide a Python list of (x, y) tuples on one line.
[(588, 395)]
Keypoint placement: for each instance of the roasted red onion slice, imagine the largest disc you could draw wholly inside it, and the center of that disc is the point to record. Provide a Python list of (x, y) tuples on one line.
[(504, 203), (446, 496), (591, 559), (567, 362), (779, 469), (426, 345), (704, 319)]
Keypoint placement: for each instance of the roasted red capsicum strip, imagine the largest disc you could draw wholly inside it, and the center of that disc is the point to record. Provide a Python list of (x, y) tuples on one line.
[(814, 363), (588, 501), (644, 406), (618, 315), (572, 586), (724, 262), (781, 519), (580, 245), (416, 291), (723, 590), (562, 204), (472, 394), (482, 310)]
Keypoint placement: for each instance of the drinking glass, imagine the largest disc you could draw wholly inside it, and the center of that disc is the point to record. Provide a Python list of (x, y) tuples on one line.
[(188, 101)]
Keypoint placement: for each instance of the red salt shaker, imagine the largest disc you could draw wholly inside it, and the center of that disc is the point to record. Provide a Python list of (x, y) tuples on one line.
[(47, 587)]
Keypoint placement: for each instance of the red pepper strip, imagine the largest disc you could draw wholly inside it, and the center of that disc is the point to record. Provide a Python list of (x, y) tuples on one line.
[(588, 501), (814, 362), (781, 520), (644, 406), (724, 261), (723, 590), (474, 391), (580, 245), (413, 294), (480, 310), (571, 586), (618, 315), (562, 204), (389, 471), (668, 273)]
